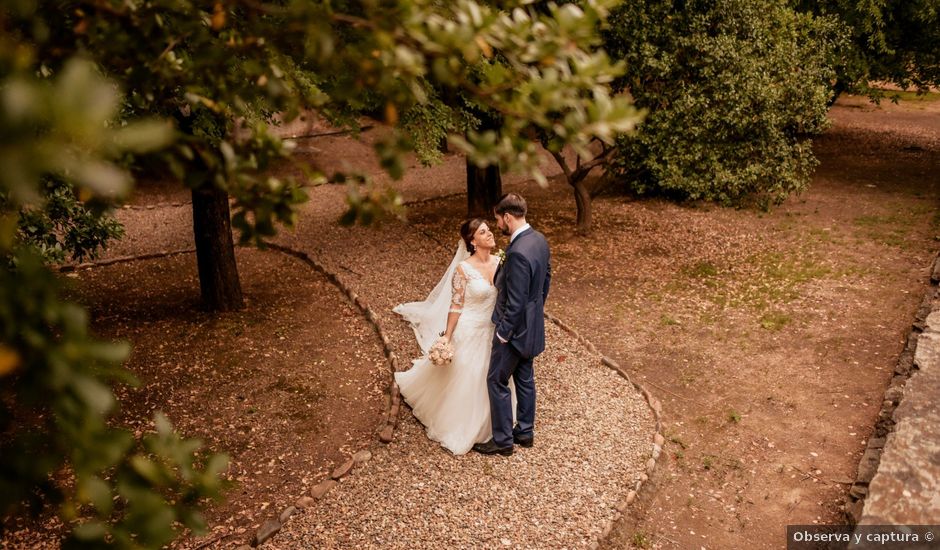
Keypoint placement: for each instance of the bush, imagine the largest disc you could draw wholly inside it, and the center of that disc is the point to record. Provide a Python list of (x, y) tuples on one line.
[(733, 89)]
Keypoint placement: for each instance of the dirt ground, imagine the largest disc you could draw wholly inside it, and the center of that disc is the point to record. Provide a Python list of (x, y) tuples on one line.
[(287, 388), (768, 336)]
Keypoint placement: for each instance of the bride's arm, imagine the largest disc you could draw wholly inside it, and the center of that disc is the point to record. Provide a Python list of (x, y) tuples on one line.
[(458, 286)]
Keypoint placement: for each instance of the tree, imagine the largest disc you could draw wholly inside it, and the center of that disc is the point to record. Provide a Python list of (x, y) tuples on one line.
[(484, 188), (201, 83), (484, 182), (54, 397), (895, 41), (733, 91), (576, 176), (204, 73), (244, 61)]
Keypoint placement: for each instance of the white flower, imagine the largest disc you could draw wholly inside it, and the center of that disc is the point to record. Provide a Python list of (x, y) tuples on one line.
[(441, 353)]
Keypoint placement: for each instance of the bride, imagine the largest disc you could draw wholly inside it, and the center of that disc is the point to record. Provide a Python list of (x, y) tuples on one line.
[(452, 400)]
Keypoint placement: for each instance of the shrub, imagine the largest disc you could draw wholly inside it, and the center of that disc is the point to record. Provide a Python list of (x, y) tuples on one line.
[(733, 89)]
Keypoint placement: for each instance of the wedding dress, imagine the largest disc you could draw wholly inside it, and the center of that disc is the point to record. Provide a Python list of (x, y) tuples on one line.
[(452, 400)]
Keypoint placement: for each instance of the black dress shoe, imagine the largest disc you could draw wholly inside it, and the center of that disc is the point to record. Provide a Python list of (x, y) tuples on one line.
[(523, 441), (490, 448)]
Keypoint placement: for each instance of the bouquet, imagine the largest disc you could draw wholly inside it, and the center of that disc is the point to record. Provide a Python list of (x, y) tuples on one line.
[(441, 352)]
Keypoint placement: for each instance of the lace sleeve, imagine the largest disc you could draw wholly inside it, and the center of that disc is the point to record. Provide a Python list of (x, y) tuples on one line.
[(458, 286)]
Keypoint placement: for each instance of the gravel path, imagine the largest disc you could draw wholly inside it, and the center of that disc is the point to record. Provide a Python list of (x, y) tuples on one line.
[(593, 435), (594, 431)]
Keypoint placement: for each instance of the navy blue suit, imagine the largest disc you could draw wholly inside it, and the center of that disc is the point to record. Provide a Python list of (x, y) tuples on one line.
[(522, 281)]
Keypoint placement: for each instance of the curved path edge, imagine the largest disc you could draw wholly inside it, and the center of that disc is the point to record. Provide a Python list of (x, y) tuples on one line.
[(272, 526), (655, 406)]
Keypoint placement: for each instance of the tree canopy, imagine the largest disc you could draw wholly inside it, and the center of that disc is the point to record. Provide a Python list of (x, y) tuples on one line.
[(894, 41), (92, 91)]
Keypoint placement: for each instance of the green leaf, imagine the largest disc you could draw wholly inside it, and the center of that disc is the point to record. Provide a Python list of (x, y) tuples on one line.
[(90, 531), (144, 137), (96, 395), (93, 490), (147, 469)]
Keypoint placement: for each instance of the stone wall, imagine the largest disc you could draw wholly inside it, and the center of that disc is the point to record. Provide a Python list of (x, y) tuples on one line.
[(899, 475)]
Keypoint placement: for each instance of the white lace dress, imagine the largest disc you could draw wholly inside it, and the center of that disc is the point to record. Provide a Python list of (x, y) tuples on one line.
[(452, 400)]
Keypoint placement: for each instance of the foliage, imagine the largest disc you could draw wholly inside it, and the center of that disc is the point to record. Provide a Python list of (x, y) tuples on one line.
[(897, 41), (55, 397), (215, 83), (221, 75), (65, 227), (733, 90), (533, 69), (245, 61), (429, 125)]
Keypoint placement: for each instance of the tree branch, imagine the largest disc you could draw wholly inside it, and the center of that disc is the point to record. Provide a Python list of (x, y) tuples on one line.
[(584, 169), (560, 159)]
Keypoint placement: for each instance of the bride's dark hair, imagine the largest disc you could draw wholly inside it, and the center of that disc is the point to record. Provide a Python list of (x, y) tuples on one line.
[(467, 231)]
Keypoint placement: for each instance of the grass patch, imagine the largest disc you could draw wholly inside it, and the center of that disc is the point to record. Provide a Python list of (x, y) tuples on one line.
[(893, 95), (821, 235), (641, 540), (734, 416), (701, 270), (668, 321), (893, 229), (689, 376), (708, 461), (678, 441), (773, 278), (774, 321), (793, 271)]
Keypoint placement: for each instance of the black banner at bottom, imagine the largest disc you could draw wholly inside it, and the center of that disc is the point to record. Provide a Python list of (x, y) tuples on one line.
[(867, 537)]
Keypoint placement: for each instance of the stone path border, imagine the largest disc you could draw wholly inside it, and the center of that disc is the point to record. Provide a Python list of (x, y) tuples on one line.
[(871, 459), (157, 206), (124, 259), (655, 406), (390, 421), (270, 527)]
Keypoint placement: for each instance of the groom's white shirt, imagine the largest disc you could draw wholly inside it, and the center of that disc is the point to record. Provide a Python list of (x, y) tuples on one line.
[(512, 237), (515, 233)]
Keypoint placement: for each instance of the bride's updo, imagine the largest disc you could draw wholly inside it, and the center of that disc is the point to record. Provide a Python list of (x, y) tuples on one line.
[(467, 230)]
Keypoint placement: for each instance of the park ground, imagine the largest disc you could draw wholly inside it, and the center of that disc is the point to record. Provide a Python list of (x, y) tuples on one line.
[(769, 336)]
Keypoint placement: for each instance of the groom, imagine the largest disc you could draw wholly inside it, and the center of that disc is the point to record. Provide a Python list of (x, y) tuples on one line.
[(522, 280)]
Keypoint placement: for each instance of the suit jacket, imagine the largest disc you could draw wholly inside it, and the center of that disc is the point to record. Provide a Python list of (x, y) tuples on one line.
[(522, 281)]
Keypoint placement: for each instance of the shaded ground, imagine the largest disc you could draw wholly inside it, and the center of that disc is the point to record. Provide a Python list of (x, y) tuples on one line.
[(287, 388)]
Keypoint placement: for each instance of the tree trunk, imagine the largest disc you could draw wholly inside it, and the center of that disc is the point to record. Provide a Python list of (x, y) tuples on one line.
[(484, 188), (582, 198), (215, 251)]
